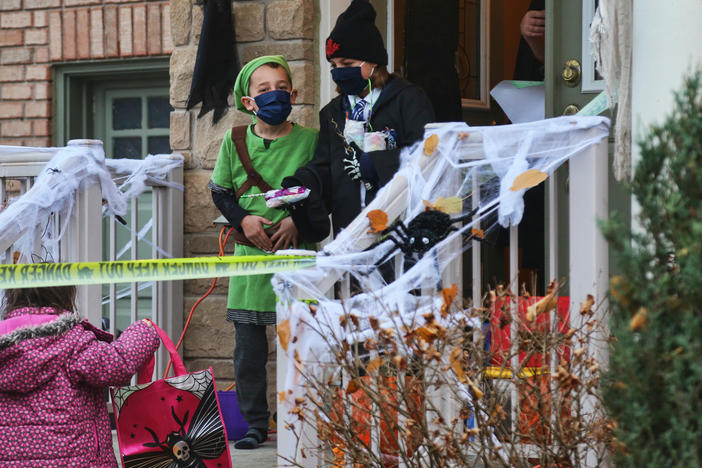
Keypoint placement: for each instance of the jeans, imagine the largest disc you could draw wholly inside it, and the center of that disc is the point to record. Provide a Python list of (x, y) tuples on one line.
[(250, 357)]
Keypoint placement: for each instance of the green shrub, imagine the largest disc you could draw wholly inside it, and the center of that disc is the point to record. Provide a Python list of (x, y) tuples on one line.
[(654, 386)]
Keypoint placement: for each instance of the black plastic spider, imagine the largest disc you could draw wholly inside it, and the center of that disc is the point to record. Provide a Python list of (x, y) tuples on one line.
[(422, 233)]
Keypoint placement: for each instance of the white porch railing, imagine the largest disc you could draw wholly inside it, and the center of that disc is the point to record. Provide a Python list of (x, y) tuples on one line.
[(83, 240), (588, 272)]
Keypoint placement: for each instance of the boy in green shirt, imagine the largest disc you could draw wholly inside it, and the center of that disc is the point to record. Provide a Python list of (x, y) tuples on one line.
[(275, 148)]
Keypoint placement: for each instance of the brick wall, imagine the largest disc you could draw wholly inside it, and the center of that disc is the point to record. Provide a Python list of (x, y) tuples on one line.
[(263, 27), (36, 33)]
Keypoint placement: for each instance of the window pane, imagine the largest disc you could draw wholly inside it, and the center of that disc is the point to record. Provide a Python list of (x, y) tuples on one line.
[(126, 113), (126, 147), (159, 112), (159, 145)]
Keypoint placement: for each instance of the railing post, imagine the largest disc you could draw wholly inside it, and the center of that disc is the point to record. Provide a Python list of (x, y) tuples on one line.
[(83, 239), (589, 267), (85, 245)]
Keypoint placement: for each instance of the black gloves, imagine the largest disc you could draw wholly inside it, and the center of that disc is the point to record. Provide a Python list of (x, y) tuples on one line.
[(310, 216)]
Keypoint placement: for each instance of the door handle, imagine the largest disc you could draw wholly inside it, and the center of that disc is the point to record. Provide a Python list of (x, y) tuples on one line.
[(571, 109), (571, 73)]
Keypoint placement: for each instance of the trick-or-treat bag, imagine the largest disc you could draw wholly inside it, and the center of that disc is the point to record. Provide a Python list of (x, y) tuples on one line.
[(170, 423)]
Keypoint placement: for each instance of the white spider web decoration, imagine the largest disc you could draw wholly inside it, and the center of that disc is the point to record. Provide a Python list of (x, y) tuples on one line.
[(468, 163), (195, 383), (27, 221)]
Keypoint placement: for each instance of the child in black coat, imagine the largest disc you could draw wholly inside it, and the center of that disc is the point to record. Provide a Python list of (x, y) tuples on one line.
[(362, 130)]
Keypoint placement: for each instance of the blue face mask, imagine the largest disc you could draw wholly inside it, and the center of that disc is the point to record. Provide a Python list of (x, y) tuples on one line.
[(274, 106), (349, 79)]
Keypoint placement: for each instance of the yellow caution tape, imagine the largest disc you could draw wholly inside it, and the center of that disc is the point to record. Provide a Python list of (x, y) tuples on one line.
[(57, 274)]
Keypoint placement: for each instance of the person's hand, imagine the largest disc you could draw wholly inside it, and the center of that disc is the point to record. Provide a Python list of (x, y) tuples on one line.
[(285, 236), (290, 181), (533, 23), (252, 226)]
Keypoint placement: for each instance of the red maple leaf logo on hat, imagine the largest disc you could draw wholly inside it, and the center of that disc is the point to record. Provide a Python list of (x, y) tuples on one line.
[(331, 47)]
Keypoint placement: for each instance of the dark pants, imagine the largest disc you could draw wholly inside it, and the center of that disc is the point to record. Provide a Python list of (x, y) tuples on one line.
[(250, 357)]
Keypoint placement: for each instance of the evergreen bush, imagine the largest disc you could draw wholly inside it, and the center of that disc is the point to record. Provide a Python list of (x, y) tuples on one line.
[(653, 390)]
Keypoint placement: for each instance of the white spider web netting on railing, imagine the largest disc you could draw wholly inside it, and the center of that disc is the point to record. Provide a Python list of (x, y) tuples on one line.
[(478, 174), (38, 218)]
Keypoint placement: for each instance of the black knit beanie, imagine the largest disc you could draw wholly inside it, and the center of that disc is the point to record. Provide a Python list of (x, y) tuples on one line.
[(356, 36)]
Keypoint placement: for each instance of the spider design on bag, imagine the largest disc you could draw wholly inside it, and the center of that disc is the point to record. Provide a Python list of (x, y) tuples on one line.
[(186, 448), (422, 233)]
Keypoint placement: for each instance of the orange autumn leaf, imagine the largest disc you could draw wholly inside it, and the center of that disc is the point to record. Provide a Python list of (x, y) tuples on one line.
[(455, 360), (477, 393), (430, 144), (352, 387), (586, 307), (477, 233), (638, 321), (429, 333), (283, 330), (620, 290), (448, 294), (281, 396), (375, 364), (378, 220), (546, 304), (528, 179), (449, 205)]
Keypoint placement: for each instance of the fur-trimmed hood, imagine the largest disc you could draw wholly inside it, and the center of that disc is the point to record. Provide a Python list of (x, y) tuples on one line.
[(33, 342)]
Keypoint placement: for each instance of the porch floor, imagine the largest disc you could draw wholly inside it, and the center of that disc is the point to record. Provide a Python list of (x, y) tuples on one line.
[(262, 457)]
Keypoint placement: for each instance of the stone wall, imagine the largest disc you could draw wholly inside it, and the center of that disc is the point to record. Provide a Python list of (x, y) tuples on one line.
[(34, 34), (262, 27)]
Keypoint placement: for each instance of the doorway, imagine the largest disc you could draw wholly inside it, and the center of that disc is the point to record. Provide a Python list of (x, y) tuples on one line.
[(458, 51)]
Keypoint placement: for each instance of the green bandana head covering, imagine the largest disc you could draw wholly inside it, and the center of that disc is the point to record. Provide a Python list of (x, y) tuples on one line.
[(241, 87)]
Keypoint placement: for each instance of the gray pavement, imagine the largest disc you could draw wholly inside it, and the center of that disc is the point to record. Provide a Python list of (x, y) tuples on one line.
[(262, 457)]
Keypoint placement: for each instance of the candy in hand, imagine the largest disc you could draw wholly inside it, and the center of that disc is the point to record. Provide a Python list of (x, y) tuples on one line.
[(288, 196), (282, 197)]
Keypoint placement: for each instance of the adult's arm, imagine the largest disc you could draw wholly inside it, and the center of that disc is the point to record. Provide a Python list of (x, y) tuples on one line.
[(533, 27), (316, 174), (311, 217)]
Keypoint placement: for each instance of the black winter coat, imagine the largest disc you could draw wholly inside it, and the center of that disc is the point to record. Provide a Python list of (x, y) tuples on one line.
[(401, 106)]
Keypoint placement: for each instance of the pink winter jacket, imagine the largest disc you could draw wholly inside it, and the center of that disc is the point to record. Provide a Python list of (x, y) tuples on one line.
[(54, 368)]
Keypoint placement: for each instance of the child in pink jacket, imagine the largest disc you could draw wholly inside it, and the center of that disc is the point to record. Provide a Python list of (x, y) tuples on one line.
[(54, 367)]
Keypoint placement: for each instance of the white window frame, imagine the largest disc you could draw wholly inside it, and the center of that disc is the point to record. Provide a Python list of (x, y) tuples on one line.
[(484, 101)]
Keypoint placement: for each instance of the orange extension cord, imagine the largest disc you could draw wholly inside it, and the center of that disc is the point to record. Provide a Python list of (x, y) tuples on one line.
[(209, 291)]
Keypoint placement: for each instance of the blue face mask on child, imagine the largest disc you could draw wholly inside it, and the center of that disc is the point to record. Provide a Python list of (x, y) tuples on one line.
[(274, 107), (349, 79)]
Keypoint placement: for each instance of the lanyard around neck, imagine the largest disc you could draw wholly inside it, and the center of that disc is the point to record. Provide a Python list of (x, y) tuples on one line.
[(370, 111)]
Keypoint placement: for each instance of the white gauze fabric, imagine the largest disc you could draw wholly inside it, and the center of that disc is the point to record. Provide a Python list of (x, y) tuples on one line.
[(29, 222), (611, 36)]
